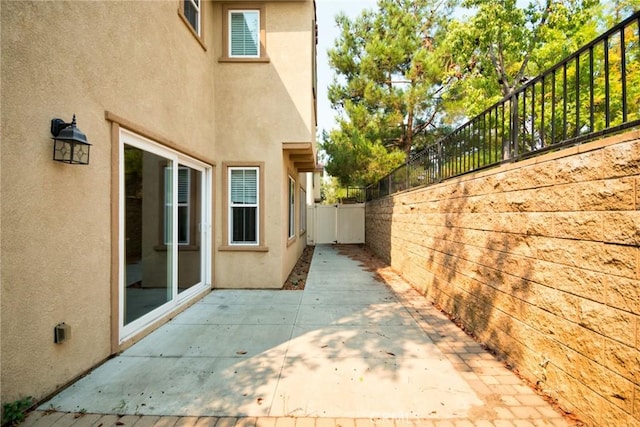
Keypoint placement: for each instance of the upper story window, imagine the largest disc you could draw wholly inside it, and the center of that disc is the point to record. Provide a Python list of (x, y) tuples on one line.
[(244, 33), (191, 11)]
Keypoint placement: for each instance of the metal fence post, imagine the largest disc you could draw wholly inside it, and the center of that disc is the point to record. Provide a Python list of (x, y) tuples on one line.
[(511, 148)]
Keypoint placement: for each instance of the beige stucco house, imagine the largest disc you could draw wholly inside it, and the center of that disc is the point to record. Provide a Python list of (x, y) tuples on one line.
[(201, 116)]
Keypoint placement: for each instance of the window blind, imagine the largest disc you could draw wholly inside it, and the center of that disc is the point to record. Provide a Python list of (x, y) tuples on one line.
[(183, 185), (183, 208), (245, 33), (244, 187)]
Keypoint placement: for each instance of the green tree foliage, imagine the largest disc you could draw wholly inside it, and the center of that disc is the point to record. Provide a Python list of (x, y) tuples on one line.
[(503, 45), (331, 191), (355, 160), (491, 58), (617, 10), (410, 67), (387, 87)]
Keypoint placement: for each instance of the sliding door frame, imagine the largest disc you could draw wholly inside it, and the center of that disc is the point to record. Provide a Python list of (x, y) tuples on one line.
[(204, 228)]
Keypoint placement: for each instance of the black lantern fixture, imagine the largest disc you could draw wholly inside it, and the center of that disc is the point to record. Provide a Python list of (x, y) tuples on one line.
[(69, 143)]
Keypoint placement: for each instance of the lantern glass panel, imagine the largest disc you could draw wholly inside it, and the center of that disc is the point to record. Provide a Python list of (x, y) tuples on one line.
[(71, 152), (80, 154), (62, 151)]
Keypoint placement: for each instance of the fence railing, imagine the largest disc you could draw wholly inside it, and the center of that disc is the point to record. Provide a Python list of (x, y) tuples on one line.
[(591, 93), (356, 194)]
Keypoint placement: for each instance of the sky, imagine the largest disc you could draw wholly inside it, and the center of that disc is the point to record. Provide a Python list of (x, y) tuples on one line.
[(327, 33)]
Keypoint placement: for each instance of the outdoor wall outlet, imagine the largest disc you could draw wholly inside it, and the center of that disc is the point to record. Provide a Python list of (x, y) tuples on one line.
[(61, 333)]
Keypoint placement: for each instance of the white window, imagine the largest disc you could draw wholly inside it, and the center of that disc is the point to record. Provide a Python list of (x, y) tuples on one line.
[(292, 208), (244, 33), (303, 210), (243, 206), (191, 10)]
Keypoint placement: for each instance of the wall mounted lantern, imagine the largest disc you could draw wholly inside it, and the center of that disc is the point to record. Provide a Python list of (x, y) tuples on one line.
[(69, 143)]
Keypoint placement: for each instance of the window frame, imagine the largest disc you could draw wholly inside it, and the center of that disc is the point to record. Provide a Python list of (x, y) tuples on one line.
[(198, 33), (136, 139), (226, 208), (227, 10), (230, 39), (303, 210), (291, 203), (232, 206)]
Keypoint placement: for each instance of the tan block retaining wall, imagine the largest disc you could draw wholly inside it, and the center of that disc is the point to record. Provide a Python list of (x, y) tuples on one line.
[(540, 259)]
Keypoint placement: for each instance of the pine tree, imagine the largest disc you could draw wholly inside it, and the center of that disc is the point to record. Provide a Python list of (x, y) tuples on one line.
[(387, 88)]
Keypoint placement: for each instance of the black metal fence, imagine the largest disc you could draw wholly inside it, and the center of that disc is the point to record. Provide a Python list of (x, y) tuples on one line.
[(356, 194), (591, 93)]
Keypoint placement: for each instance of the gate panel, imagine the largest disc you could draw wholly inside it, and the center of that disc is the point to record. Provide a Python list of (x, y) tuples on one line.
[(325, 222), (339, 224), (350, 224)]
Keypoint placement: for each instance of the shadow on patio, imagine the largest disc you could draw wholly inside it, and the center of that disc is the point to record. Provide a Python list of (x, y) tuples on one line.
[(347, 346)]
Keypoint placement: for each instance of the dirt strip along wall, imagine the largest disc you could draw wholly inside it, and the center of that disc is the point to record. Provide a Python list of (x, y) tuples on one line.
[(540, 260)]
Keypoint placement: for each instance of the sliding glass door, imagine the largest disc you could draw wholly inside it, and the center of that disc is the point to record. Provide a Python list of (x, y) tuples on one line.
[(148, 263), (189, 212), (165, 232)]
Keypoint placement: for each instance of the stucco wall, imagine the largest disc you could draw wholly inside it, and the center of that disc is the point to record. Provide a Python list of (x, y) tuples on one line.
[(261, 106), (61, 58), (541, 261), (141, 63)]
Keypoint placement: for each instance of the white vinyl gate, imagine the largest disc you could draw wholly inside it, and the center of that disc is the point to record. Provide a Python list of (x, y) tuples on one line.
[(343, 224)]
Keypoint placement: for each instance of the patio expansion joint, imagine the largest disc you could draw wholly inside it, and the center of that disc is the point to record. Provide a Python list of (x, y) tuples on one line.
[(286, 354)]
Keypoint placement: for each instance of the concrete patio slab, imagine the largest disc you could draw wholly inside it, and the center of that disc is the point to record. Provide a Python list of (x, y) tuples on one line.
[(249, 312), (347, 297), (254, 297), (372, 342), (220, 340), (388, 313), (176, 386), (378, 387), (346, 348)]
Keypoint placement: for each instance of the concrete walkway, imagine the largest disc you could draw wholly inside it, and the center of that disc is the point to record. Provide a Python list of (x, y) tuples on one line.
[(349, 350)]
